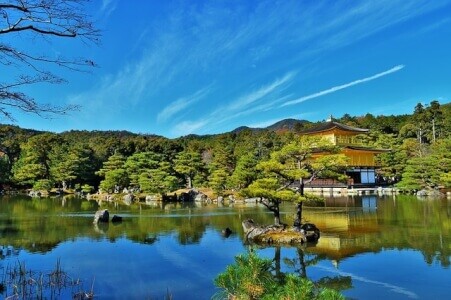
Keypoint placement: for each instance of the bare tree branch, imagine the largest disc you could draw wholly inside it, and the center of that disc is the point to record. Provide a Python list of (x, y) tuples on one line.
[(50, 20)]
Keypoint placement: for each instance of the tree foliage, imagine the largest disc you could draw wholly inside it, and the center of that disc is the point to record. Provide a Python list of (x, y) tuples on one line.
[(301, 160), (250, 277), (429, 171), (225, 162), (189, 164), (34, 161)]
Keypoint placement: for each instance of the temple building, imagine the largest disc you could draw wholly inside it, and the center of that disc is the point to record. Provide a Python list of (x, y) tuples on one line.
[(362, 163)]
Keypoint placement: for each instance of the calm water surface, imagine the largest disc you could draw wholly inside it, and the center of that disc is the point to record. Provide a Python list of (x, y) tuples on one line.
[(370, 248)]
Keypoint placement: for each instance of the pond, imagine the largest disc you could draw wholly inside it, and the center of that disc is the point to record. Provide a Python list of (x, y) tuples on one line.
[(371, 247)]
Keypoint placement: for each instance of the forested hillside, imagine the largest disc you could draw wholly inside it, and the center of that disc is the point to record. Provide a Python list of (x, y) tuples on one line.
[(420, 156)]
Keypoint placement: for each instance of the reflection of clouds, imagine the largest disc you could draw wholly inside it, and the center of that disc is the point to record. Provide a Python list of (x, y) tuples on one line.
[(115, 268), (394, 288), (182, 260)]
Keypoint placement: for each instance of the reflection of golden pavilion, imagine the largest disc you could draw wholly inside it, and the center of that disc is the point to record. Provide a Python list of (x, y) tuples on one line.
[(345, 229)]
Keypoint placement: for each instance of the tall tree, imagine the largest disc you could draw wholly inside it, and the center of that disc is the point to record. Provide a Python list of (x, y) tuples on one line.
[(420, 120), (435, 116), (189, 164), (70, 164), (34, 162), (150, 172), (10, 139), (302, 161), (40, 20), (114, 173), (140, 163), (160, 179), (245, 171), (429, 170)]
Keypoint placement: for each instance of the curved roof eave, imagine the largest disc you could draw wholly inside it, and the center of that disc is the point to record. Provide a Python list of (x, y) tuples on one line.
[(326, 126)]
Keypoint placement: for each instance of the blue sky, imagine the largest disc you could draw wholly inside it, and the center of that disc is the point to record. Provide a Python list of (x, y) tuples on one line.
[(178, 67)]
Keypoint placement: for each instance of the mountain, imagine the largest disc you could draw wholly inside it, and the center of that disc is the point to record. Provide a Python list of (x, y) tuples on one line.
[(241, 128), (287, 124)]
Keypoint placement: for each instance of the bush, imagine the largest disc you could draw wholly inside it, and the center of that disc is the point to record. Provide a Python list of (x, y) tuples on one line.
[(86, 188), (250, 278), (43, 185)]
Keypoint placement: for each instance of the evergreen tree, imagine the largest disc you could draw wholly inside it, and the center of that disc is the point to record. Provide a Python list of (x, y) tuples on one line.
[(420, 120), (245, 171), (68, 164), (115, 161), (115, 180), (189, 164), (218, 181), (114, 173), (428, 171), (149, 172), (435, 117), (302, 160), (34, 162), (140, 163)]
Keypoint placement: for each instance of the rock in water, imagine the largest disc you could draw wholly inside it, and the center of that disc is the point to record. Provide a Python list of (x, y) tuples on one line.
[(281, 234), (116, 219), (102, 216), (226, 232), (310, 231)]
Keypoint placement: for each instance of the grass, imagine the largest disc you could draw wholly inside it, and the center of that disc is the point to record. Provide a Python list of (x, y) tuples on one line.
[(19, 282)]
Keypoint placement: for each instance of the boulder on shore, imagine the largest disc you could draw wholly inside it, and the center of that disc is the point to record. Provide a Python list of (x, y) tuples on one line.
[(101, 216), (430, 193), (129, 198), (280, 234)]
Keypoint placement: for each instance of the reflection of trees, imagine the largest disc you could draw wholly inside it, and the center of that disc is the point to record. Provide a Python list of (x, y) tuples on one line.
[(7, 251), (411, 224), (302, 262), (39, 225)]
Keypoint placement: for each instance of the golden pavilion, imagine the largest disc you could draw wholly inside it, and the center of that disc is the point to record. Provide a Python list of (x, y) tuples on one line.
[(362, 163)]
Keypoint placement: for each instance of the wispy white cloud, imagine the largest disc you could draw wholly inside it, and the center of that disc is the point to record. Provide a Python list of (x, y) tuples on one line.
[(187, 127), (107, 8), (343, 86), (182, 103), (246, 104), (250, 98), (238, 44), (243, 104)]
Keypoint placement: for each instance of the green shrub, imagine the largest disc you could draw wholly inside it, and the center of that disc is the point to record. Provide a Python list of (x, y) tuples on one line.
[(250, 278), (86, 188), (43, 185)]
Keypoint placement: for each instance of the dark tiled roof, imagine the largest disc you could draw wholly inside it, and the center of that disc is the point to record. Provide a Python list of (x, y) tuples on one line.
[(331, 125), (367, 149)]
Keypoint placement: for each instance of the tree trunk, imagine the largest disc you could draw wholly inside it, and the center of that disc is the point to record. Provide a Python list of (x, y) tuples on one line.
[(276, 215), (303, 269), (298, 220), (190, 184), (277, 268), (433, 130), (301, 186)]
